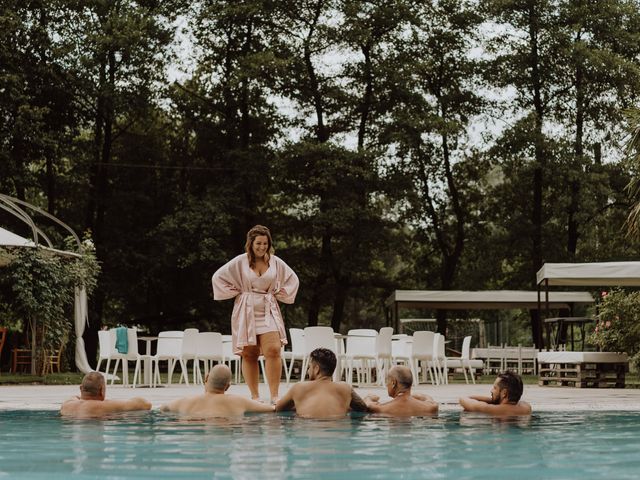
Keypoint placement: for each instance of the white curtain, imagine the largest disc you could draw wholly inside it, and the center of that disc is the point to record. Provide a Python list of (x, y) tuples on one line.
[(81, 319)]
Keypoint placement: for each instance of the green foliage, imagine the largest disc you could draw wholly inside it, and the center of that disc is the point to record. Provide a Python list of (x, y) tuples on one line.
[(388, 144), (618, 326), (43, 285)]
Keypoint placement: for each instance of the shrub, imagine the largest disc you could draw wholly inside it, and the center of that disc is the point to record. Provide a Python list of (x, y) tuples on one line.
[(618, 324)]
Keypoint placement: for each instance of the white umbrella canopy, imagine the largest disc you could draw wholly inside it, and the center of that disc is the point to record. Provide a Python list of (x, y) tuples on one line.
[(10, 239)]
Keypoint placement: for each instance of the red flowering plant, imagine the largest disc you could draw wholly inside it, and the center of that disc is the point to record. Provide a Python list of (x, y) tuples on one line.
[(618, 324)]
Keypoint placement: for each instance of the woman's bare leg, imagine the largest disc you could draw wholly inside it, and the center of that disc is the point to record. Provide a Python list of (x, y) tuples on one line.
[(270, 345), (250, 369)]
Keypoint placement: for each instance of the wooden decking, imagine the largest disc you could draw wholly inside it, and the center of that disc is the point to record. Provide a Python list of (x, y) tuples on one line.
[(583, 375)]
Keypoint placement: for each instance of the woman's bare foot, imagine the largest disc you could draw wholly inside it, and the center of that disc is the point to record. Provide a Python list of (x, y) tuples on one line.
[(274, 400)]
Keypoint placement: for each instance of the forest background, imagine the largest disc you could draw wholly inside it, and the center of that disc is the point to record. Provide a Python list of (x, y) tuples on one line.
[(387, 144)]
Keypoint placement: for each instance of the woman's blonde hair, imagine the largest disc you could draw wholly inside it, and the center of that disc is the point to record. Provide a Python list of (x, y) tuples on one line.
[(258, 230)]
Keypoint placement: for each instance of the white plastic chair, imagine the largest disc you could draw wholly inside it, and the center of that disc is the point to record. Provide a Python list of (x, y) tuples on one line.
[(401, 350), (188, 351), (361, 354), (230, 357), (297, 351), (120, 358), (464, 361), (132, 355), (318, 337), (208, 349), (170, 349), (440, 359), (422, 351), (383, 353), (107, 343)]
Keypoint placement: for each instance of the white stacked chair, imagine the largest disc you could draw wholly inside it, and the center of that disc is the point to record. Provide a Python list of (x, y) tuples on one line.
[(169, 349), (209, 348)]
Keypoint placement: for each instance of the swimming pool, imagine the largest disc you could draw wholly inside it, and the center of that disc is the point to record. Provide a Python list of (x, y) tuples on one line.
[(41, 444)]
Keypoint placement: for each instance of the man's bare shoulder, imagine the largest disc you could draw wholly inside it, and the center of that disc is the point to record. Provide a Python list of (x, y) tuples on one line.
[(408, 407), (89, 408)]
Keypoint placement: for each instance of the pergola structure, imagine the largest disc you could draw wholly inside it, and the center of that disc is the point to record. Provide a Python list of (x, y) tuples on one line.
[(25, 211), (595, 274), (478, 300)]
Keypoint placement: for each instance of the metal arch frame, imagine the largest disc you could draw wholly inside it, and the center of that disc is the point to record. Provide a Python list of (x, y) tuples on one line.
[(11, 205)]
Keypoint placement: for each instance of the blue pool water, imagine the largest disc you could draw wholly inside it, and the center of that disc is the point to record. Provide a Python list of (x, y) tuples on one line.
[(577, 445)]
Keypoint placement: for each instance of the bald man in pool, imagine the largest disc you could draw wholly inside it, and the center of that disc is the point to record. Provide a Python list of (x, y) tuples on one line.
[(504, 400), (321, 397), (404, 403), (214, 402), (92, 403)]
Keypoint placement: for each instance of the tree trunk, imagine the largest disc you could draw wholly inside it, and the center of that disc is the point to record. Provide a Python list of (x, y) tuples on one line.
[(572, 223), (540, 160), (339, 301)]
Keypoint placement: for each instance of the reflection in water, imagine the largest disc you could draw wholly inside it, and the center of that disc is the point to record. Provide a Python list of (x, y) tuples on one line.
[(453, 445)]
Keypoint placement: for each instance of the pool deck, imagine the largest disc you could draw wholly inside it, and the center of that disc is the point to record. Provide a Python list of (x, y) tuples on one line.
[(50, 397)]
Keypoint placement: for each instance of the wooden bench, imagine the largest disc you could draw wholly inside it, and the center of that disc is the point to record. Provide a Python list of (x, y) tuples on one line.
[(582, 369)]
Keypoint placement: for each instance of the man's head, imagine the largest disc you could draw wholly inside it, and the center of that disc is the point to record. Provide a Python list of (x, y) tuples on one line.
[(93, 387), (507, 388), (399, 380), (322, 363), (219, 379)]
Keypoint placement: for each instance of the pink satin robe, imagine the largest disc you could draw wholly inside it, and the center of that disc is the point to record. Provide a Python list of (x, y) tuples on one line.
[(233, 280)]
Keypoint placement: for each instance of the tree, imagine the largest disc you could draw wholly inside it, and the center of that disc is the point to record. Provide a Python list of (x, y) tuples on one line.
[(429, 130)]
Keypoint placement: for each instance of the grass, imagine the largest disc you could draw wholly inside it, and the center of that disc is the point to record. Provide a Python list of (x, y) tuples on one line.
[(67, 378)]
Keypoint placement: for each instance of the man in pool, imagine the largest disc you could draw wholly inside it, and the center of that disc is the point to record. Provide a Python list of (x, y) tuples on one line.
[(404, 403), (92, 403), (214, 402), (321, 397), (504, 399)]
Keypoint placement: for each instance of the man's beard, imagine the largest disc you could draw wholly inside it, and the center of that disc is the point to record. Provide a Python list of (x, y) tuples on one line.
[(494, 400)]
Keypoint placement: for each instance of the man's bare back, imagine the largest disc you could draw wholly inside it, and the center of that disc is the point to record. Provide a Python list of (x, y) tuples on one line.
[(92, 403), (216, 405), (214, 402), (406, 406), (318, 399), (96, 408)]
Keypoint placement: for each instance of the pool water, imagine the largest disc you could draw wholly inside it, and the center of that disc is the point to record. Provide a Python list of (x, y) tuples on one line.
[(454, 445)]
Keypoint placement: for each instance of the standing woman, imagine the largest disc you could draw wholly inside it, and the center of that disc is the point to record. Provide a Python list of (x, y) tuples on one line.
[(258, 280)]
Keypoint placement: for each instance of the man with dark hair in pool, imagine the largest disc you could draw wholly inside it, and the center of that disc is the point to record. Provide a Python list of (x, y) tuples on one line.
[(321, 397), (504, 399), (404, 403), (214, 402), (92, 403)]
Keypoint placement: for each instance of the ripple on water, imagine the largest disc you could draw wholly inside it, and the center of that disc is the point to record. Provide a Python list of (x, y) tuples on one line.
[(571, 445)]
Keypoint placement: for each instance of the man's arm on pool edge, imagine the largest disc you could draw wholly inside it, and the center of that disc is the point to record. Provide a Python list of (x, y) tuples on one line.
[(136, 403), (472, 405), (286, 402), (357, 404)]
